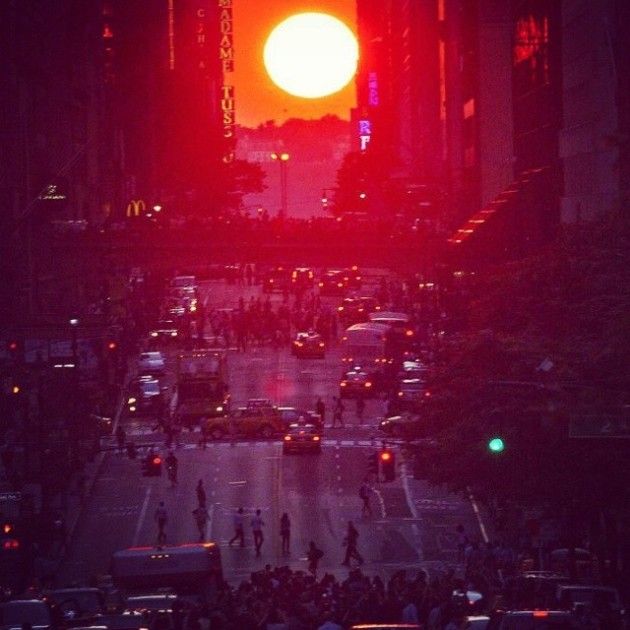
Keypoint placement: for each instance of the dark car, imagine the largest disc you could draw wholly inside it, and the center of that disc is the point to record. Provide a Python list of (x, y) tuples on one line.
[(302, 438), (332, 283), (145, 396), (411, 394), (293, 415), (402, 426), (533, 620), (78, 605), (276, 279), (302, 278), (16, 612), (164, 330), (352, 277), (308, 345), (356, 383), (354, 310)]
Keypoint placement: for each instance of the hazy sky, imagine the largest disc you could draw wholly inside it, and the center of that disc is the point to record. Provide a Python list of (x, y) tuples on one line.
[(257, 98)]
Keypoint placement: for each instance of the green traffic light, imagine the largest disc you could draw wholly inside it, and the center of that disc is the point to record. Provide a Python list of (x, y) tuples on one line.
[(496, 445)]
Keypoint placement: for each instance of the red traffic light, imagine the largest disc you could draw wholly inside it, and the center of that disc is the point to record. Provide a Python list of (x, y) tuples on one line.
[(157, 460), (13, 345), (112, 345), (386, 456), (7, 528)]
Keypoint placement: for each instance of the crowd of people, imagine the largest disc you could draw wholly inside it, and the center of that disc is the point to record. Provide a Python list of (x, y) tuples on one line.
[(284, 599)]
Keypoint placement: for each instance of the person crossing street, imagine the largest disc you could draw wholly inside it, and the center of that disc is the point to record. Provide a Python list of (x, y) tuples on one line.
[(201, 516), (239, 534), (365, 492), (257, 529), (350, 542), (161, 518)]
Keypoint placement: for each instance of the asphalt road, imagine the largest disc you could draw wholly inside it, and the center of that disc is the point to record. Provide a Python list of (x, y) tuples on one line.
[(412, 525)]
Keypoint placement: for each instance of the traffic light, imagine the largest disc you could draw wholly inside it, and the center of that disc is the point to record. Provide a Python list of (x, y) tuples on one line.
[(152, 465), (373, 464), (388, 464), (496, 445)]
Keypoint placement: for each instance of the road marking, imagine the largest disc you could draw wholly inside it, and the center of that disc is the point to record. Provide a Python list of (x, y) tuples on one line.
[(475, 507), (412, 509), (381, 502), (237, 483), (208, 532), (143, 511)]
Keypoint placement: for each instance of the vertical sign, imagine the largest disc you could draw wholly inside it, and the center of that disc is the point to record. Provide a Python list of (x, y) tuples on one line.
[(226, 56)]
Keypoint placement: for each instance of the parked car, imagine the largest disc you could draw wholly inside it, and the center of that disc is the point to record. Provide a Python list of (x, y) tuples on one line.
[(77, 605)]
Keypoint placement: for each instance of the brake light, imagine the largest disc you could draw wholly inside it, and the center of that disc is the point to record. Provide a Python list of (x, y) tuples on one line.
[(540, 613), (321, 344), (287, 438), (400, 393), (316, 438), (409, 333), (342, 384), (321, 284), (340, 308), (368, 384)]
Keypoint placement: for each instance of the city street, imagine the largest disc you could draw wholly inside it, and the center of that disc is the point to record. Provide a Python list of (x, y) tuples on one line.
[(411, 527)]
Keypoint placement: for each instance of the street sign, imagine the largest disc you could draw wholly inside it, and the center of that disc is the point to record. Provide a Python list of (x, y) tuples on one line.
[(603, 426)]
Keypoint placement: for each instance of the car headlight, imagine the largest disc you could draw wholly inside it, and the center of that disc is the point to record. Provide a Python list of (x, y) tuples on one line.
[(154, 333), (316, 438), (219, 408), (174, 333), (287, 438), (131, 401), (368, 384), (132, 408)]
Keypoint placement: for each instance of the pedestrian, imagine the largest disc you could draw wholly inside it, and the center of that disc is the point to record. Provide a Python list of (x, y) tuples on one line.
[(201, 517), (161, 518), (239, 534), (203, 439), (337, 412), (313, 555), (201, 494), (257, 525), (365, 493), (285, 533), (350, 542), (360, 408), (171, 468), (121, 437), (320, 408)]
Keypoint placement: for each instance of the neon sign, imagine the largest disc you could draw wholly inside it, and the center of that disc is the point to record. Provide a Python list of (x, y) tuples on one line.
[(365, 133), (373, 89), (226, 56)]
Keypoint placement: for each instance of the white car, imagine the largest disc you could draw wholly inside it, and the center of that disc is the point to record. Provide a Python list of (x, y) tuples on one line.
[(151, 363)]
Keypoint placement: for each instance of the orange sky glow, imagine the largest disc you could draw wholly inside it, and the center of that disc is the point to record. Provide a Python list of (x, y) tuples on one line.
[(257, 98)]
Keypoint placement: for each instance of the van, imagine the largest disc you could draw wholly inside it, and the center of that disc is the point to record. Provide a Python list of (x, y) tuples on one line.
[(192, 567), (364, 345)]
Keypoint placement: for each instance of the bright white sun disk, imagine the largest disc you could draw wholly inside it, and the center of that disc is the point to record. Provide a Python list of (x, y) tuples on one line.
[(311, 55)]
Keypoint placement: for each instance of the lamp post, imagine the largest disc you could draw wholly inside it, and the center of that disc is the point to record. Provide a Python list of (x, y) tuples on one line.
[(282, 159)]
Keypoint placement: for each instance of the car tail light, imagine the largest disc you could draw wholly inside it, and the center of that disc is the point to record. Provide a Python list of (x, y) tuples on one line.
[(340, 284), (368, 384), (287, 438), (400, 394), (342, 384), (321, 284), (409, 332), (316, 438), (321, 344), (340, 308), (540, 613)]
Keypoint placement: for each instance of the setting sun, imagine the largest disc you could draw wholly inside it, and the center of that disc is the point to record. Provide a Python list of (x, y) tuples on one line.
[(311, 55)]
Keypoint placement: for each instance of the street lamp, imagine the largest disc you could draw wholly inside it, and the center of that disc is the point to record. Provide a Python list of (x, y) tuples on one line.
[(282, 158)]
